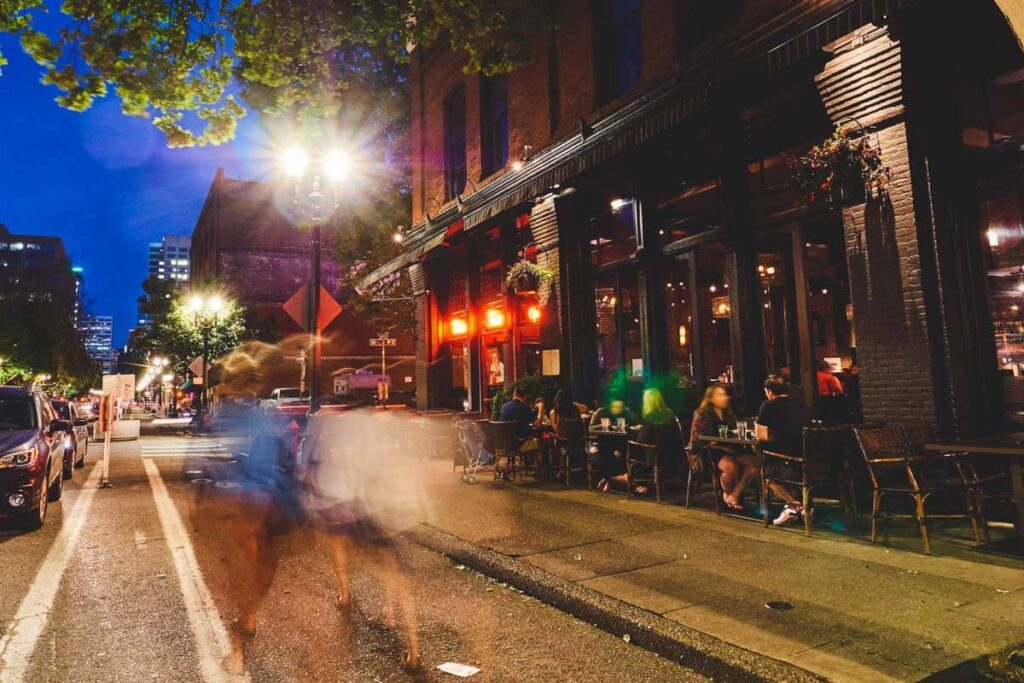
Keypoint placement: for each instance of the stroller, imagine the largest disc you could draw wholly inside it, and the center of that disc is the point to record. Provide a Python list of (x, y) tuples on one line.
[(472, 442)]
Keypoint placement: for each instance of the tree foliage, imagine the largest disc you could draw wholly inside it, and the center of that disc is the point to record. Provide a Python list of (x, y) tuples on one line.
[(173, 60), (43, 341), (182, 338)]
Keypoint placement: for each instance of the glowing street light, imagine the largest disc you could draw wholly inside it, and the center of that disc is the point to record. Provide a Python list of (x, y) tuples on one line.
[(206, 311), (315, 207)]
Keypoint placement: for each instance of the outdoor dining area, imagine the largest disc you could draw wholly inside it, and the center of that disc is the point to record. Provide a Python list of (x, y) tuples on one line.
[(862, 479)]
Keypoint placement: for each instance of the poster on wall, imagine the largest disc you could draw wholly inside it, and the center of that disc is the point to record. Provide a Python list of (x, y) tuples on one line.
[(638, 367), (550, 362)]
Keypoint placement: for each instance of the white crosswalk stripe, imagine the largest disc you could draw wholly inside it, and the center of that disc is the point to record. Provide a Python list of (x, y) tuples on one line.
[(183, 448)]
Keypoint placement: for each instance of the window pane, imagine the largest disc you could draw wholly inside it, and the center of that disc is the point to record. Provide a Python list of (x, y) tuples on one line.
[(1003, 240), (613, 233), (455, 143)]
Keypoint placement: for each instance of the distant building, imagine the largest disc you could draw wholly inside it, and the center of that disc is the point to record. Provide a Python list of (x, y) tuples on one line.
[(79, 309), (168, 259), (97, 334), (243, 241), (36, 268)]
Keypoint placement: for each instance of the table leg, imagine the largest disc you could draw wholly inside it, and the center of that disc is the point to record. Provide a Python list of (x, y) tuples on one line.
[(1017, 484)]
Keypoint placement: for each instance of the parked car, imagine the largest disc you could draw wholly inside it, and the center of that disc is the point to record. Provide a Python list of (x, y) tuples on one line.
[(284, 395), (79, 440), (33, 455)]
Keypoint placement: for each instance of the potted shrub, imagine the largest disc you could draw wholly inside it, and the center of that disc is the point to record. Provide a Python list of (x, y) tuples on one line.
[(840, 171), (526, 277)]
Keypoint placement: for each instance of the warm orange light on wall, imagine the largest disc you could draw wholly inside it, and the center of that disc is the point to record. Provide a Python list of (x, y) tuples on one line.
[(459, 327), (682, 335), (533, 314), (494, 317)]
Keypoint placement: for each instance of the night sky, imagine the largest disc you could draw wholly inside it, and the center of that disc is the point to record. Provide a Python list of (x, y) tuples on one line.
[(105, 183)]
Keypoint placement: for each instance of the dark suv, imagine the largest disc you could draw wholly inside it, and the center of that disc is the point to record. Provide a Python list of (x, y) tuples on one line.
[(32, 453)]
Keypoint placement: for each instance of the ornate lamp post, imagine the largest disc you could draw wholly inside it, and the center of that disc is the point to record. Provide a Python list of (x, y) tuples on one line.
[(205, 311), (314, 207)]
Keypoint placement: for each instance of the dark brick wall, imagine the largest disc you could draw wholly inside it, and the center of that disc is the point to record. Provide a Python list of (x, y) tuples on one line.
[(890, 318)]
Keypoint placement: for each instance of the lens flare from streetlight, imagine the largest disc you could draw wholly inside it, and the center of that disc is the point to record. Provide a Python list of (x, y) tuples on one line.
[(336, 165), (195, 303), (294, 160), (216, 304)]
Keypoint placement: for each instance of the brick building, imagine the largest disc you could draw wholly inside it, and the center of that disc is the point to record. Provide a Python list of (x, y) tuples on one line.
[(245, 244), (651, 176)]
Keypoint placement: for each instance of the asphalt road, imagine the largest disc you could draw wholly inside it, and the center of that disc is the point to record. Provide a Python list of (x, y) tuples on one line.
[(137, 583)]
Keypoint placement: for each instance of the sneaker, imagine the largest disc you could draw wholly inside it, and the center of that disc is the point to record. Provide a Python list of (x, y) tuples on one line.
[(787, 516)]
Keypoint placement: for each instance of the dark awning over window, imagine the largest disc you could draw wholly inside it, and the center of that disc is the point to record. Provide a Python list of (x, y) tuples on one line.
[(413, 255)]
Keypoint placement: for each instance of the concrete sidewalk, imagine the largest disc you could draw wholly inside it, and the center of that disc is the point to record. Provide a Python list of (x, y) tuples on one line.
[(860, 611)]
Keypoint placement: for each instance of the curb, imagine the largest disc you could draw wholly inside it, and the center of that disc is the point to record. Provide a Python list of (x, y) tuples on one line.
[(697, 651)]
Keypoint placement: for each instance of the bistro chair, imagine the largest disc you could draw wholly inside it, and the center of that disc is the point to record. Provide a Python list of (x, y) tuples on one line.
[(570, 447), (983, 484), (504, 438), (894, 468), (701, 466), (656, 457), (820, 465)]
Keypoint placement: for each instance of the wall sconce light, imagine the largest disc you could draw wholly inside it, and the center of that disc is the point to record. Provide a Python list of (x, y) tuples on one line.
[(459, 327), (533, 314), (493, 318), (682, 335)]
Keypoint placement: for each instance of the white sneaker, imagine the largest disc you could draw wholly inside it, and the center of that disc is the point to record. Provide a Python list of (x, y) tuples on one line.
[(787, 516)]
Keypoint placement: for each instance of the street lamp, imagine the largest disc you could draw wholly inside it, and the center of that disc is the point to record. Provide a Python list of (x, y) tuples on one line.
[(315, 207), (205, 311)]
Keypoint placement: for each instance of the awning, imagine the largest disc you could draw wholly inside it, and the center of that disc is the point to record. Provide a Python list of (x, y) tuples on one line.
[(411, 256)]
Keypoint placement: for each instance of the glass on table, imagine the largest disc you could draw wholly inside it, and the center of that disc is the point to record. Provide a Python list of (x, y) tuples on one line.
[(620, 424)]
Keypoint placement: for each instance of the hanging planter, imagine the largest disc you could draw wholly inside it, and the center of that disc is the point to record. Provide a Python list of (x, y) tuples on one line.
[(527, 278), (840, 171)]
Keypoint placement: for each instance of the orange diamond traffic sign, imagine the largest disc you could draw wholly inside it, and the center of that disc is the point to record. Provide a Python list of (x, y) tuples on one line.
[(297, 307)]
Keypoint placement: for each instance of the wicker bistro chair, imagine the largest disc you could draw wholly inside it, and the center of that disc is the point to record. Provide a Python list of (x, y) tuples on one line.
[(700, 466), (656, 457), (504, 438), (819, 466), (570, 448), (894, 468)]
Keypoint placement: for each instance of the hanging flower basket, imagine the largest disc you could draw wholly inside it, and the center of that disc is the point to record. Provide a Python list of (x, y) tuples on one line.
[(526, 277), (840, 171)]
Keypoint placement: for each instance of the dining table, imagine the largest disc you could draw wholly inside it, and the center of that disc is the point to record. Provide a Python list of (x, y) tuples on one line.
[(1005, 448), (746, 442)]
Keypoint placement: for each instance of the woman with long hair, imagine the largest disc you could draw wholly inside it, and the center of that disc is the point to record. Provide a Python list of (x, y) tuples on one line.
[(737, 468)]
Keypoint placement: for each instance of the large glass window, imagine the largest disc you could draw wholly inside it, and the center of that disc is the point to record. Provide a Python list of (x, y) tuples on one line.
[(1003, 230), (455, 143), (715, 314), (618, 50), (613, 233), (493, 123), (617, 313)]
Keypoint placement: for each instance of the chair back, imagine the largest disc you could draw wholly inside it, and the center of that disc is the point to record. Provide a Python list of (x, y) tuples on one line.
[(504, 435), (916, 435), (570, 433), (883, 450), (824, 448)]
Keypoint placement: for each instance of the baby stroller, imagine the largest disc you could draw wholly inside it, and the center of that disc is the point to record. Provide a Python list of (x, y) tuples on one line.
[(472, 447)]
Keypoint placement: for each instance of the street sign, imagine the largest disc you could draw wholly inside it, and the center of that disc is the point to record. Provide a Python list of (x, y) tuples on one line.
[(297, 307), (196, 366), (383, 341)]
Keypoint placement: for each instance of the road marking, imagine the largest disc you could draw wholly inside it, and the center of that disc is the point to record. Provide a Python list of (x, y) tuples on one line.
[(22, 634), (211, 637)]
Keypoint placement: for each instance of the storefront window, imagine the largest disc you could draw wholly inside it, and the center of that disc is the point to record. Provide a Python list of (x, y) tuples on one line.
[(695, 210), (613, 233), (680, 320), (1003, 232), (617, 311), (712, 300)]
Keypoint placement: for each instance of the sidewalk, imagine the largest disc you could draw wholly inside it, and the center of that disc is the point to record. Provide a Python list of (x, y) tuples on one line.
[(860, 611)]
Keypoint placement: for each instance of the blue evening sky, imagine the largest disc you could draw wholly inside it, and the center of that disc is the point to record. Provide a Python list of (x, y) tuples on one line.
[(105, 183)]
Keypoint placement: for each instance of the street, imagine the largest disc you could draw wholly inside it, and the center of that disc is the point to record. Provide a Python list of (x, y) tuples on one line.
[(120, 586)]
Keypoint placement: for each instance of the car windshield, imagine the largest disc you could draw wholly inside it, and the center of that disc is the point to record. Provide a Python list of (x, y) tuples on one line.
[(16, 412), (63, 410), (288, 393)]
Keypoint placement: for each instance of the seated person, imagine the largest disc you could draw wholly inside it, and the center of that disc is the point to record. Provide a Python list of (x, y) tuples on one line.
[(828, 384), (658, 428), (565, 408), (780, 429), (615, 409), (517, 410), (737, 468)]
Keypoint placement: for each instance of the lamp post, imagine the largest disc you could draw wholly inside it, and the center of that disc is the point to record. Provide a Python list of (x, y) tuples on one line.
[(205, 311), (315, 208)]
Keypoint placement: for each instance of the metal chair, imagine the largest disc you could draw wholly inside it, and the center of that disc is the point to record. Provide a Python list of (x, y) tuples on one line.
[(820, 464), (505, 439), (656, 456), (570, 443), (893, 468)]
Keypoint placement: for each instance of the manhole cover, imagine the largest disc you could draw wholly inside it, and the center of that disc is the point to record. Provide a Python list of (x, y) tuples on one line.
[(780, 605), (201, 480)]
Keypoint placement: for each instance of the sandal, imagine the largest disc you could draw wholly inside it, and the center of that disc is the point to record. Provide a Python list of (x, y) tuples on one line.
[(731, 506), (603, 485), (640, 490)]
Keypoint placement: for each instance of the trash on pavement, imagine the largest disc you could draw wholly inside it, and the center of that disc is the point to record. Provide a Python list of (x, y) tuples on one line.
[(625, 637), (460, 670), (778, 605)]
